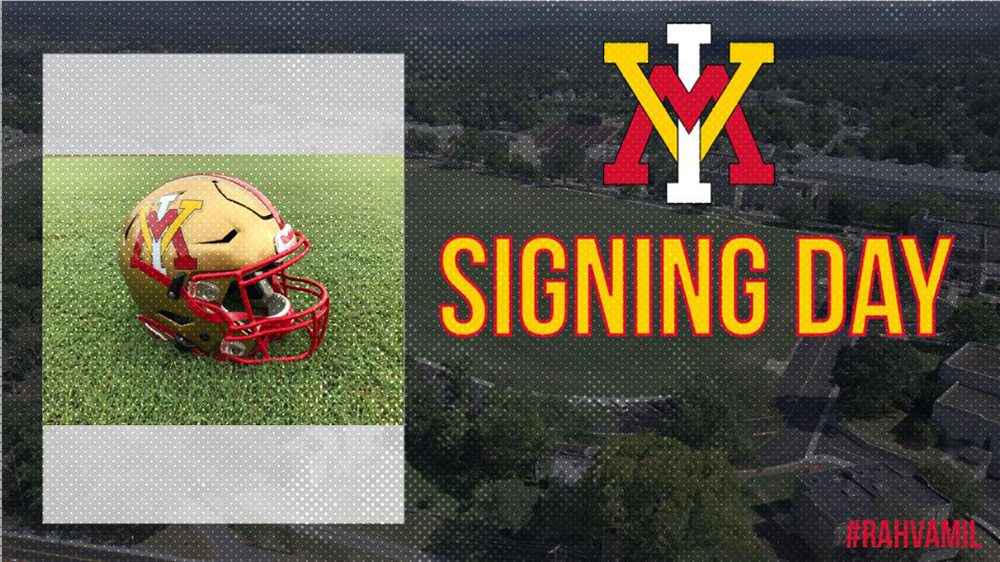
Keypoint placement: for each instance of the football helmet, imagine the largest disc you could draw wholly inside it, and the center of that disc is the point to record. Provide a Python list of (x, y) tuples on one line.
[(206, 259)]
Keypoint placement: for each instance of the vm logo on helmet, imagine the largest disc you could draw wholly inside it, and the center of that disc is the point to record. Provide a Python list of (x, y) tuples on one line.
[(161, 227), (689, 89)]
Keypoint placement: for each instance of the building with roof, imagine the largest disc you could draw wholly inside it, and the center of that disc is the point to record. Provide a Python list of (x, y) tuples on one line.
[(969, 411), (570, 463), (977, 459), (444, 133), (440, 382), (646, 413), (975, 365), (586, 135), (824, 502), (514, 144), (975, 254), (890, 181), (818, 178), (969, 416), (594, 138)]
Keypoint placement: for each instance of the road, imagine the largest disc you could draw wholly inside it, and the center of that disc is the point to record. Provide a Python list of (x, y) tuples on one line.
[(37, 549), (371, 545), (835, 443), (802, 394), (226, 542), (222, 538)]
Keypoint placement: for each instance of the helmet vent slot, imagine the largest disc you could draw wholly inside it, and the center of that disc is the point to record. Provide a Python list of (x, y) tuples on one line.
[(128, 228), (175, 318), (225, 239), (268, 216)]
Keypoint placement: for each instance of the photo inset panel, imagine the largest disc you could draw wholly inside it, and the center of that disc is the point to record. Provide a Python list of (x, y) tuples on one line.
[(223, 288)]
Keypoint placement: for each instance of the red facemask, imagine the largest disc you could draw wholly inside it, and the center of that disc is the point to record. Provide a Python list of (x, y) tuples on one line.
[(257, 307)]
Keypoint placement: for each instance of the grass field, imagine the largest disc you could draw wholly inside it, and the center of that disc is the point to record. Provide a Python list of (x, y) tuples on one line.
[(442, 203), (99, 365), (775, 489)]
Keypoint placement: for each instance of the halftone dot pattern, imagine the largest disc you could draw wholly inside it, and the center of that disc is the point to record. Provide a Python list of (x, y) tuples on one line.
[(454, 50), (340, 182), (218, 474), (223, 104)]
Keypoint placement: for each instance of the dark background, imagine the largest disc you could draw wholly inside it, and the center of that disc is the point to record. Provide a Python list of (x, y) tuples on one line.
[(503, 461)]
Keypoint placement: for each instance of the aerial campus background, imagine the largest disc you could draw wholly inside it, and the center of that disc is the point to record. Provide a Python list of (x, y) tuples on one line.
[(880, 119)]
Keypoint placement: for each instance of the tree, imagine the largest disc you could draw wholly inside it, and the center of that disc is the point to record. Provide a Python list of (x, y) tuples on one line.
[(919, 433), (990, 214), (796, 211), (662, 500), (823, 124), (497, 160), (938, 204), (26, 116), (524, 115), (984, 155), (582, 118), (503, 504), (874, 212), (843, 209), (564, 160), (631, 191), (975, 320), (956, 483), (421, 143), (876, 375), (511, 434), (468, 146), (438, 427), (22, 462), (520, 167), (707, 419), (658, 189)]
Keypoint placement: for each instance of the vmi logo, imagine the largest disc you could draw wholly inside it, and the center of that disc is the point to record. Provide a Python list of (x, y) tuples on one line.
[(689, 90), (161, 228)]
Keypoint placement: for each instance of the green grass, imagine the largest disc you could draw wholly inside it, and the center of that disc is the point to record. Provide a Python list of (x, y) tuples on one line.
[(101, 368), (426, 495), (774, 489), (879, 431), (932, 356), (443, 203)]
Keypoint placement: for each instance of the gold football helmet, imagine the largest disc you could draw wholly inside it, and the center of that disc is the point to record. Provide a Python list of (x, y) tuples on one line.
[(206, 257)]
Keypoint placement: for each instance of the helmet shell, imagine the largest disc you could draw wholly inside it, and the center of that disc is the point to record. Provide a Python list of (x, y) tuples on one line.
[(194, 224)]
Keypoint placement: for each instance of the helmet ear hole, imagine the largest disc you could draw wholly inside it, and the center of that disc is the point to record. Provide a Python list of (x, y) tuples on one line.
[(128, 228), (182, 344), (178, 319)]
